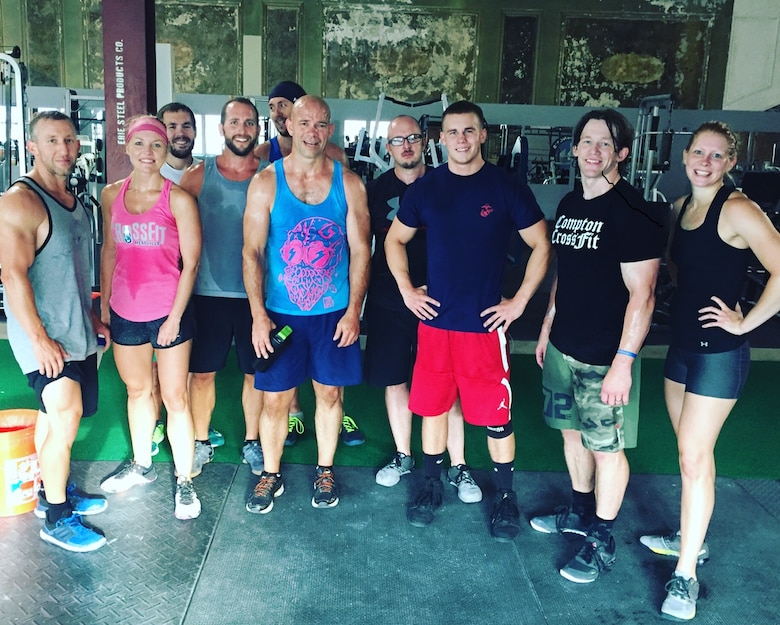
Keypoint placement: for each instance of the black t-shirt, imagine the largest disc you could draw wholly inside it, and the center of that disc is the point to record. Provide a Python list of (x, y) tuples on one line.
[(384, 199), (592, 238)]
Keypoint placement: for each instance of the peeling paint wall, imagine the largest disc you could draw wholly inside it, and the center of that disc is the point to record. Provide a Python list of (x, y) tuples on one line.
[(611, 62), (44, 59), (281, 46), (205, 40), (535, 51), (518, 57), (409, 54), (92, 17)]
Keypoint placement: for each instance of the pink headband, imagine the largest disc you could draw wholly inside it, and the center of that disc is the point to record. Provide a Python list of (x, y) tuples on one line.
[(152, 124)]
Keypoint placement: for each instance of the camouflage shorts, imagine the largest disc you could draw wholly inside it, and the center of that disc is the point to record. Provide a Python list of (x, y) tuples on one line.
[(572, 401)]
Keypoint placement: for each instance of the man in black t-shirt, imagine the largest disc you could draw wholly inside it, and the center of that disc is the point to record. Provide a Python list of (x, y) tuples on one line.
[(608, 245), (391, 339)]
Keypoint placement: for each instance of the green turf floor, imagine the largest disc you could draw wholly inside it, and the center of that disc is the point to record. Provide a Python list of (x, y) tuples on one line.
[(747, 447)]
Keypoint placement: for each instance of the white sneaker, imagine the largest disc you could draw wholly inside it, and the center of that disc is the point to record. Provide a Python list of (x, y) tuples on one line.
[(187, 502)]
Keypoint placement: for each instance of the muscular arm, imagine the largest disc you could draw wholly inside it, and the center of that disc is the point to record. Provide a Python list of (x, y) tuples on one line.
[(547, 322), (505, 312), (192, 179), (415, 299), (639, 278), (257, 220), (185, 212), (359, 241), (23, 227)]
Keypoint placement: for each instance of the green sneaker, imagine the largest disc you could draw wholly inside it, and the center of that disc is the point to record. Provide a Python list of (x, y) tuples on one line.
[(350, 432), (158, 436)]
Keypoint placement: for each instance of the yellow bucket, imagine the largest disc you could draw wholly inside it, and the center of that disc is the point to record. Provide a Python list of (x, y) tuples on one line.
[(20, 476)]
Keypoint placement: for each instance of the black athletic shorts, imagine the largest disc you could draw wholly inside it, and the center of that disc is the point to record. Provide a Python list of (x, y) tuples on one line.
[(391, 345), (82, 371), (220, 321)]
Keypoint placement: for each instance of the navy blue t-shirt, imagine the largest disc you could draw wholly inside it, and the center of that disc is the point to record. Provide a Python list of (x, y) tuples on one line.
[(469, 222)]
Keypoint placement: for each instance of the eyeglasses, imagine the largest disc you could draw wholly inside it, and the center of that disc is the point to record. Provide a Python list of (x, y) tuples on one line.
[(412, 139)]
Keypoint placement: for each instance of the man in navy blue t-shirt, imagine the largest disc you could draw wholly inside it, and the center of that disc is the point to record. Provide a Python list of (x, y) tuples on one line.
[(469, 209)]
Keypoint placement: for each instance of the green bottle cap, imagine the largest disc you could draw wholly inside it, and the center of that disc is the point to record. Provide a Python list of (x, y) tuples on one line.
[(285, 332)]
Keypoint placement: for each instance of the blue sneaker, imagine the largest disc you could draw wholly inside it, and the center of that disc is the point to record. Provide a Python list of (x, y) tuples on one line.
[(81, 502), (215, 438), (71, 534), (350, 432)]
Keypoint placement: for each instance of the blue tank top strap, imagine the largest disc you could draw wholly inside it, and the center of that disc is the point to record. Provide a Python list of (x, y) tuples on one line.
[(275, 152)]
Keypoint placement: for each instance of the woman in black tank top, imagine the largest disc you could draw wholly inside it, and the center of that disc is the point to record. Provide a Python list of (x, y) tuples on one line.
[(716, 229)]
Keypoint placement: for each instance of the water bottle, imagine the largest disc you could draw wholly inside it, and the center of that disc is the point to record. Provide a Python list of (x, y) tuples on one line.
[(280, 341)]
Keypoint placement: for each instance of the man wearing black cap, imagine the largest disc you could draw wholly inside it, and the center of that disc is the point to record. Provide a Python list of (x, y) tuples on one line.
[(280, 103)]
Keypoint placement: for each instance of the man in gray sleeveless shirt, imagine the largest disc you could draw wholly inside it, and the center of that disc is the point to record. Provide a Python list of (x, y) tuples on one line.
[(45, 248), (219, 299)]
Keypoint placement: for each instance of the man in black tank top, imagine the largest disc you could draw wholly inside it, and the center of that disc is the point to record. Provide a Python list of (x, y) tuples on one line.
[(43, 226)]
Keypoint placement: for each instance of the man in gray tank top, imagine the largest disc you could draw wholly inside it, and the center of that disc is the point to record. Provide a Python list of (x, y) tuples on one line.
[(219, 298), (45, 247)]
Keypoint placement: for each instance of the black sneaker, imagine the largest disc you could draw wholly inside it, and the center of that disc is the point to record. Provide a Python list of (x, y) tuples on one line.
[(261, 501), (326, 494), (505, 519), (426, 502), (594, 557), (564, 521)]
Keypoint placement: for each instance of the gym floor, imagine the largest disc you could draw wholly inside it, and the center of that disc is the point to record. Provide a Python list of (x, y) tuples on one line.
[(362, 562)]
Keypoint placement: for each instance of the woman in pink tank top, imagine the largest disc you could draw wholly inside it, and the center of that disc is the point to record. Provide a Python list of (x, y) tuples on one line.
[(151, 249)]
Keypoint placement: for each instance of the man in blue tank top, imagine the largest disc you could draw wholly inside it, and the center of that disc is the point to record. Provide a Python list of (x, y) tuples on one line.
[(280, 101), (219, 299), (306, 255), (45, 248)]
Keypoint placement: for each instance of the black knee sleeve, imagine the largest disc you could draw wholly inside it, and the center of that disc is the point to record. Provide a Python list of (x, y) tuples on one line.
[(499, 431)]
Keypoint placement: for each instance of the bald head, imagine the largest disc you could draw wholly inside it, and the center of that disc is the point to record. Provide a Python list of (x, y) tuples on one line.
[(310, 103), (405, 132)]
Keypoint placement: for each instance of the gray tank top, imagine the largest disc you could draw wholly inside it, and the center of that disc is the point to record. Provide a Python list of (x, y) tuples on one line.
[(221, 205), (61, 282)]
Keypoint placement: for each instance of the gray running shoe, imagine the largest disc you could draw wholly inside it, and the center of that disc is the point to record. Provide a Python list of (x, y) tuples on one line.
[(204, 453), (669, 545), (564, 521), (187, 502), (129, 475), (390, 474), (468, 490), (326, 493), (252, 454), (680, 602), (593, 558), (261, 501)]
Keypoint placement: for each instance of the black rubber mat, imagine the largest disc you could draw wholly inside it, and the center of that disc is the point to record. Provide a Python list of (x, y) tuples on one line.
[(362, 562)]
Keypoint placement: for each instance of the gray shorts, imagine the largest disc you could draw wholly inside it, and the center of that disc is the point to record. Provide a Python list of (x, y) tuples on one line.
[(572, 401)]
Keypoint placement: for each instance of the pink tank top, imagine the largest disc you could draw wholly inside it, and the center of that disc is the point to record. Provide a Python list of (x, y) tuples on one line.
[(148, 259)]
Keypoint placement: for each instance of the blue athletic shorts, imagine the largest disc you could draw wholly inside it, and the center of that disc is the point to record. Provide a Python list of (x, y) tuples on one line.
[(722, 374), (220, 321), (131, 333), (82, 371), (312, 354)]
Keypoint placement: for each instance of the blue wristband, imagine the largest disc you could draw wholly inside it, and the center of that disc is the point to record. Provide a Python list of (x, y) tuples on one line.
[(625, 352)]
